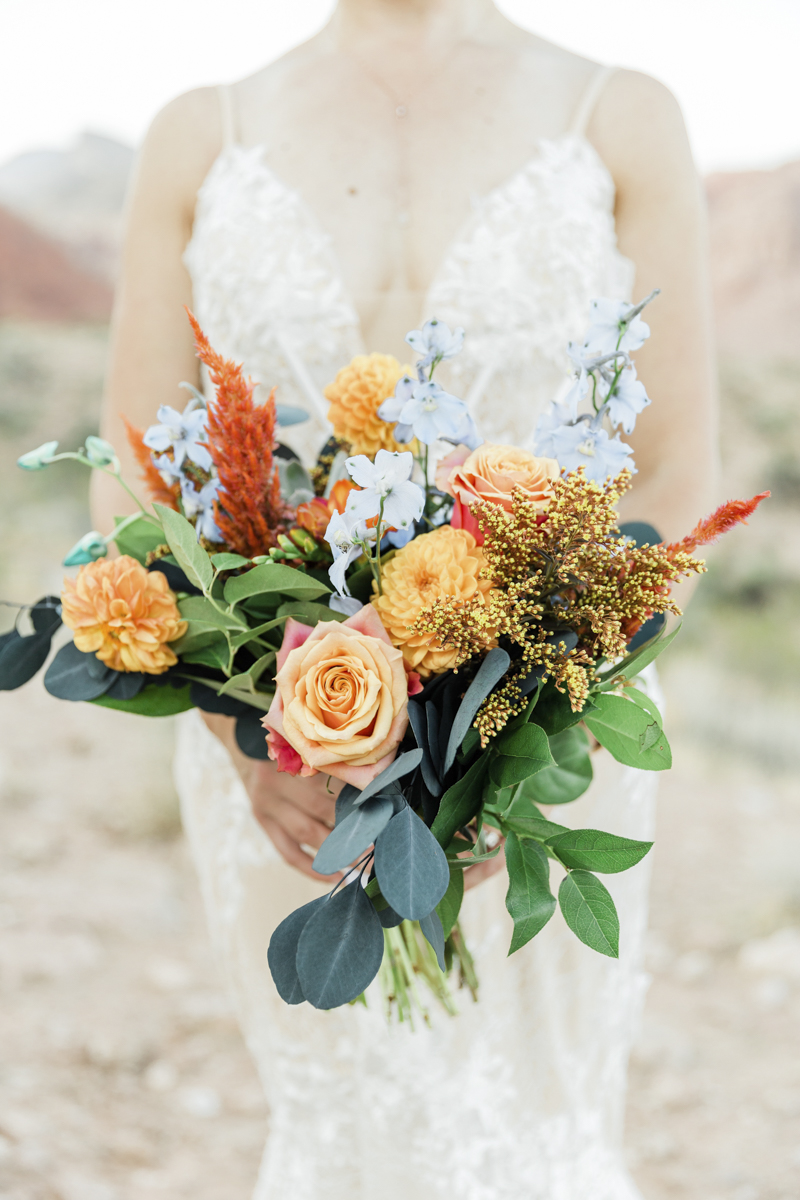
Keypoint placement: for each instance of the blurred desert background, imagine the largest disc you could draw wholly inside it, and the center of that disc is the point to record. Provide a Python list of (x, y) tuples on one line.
[(123, 1075)]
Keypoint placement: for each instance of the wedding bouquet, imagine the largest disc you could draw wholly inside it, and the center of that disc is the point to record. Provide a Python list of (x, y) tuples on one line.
[(445, 626)]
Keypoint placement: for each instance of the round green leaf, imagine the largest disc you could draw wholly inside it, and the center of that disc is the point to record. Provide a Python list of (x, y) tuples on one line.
[(74, 675), (340, 949), (411, 866), (282, 951), (353, 835)]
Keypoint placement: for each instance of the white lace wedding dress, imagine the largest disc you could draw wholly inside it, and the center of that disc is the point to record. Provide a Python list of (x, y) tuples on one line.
[(521, 1096)]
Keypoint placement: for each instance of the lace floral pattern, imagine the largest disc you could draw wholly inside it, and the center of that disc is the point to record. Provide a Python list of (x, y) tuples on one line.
[(521, 1096)]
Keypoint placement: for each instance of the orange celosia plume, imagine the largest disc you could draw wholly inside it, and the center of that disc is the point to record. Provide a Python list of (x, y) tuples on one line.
[(241, 438), (160, 492), (733, 512)]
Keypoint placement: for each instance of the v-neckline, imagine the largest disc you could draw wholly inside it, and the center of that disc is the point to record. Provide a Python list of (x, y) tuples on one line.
[(259, 149)]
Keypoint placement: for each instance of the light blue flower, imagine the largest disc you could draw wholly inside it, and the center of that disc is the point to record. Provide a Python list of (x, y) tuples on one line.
[(435, 341), (182, 433), (199, 503), (613, 321), (428, 413), (627, 400), (90, 547), (386, 485), (555, 417), (346, 538), (36, 459), (582, 445)]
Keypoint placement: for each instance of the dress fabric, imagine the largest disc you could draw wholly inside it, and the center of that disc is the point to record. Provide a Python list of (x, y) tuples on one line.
[(521, 1096)]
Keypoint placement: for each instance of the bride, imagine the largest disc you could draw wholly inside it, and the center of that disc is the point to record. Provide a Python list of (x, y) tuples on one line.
[(421, 158)]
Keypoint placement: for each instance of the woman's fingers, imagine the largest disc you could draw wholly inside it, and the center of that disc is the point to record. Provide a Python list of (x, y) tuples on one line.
[(291, 852)]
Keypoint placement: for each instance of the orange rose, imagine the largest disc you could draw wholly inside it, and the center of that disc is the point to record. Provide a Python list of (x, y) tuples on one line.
[(123, 613), (491, 473), (446, 562), (341, 698)]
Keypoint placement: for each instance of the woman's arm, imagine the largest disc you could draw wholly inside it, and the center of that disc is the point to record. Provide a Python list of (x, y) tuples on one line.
[(639, 132)]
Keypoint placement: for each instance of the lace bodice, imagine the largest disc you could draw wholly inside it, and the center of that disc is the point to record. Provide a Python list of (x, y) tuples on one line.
[(519, 277)]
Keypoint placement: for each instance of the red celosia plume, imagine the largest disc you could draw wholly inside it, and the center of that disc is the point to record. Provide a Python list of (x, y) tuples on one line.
[(733, 512), (160, 492), (241, 439)]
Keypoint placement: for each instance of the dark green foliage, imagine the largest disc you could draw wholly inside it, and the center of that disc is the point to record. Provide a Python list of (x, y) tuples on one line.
[(340, 949)]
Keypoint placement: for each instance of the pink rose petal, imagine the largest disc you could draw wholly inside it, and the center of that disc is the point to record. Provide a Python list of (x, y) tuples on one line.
[(462, 518), (294, 635)]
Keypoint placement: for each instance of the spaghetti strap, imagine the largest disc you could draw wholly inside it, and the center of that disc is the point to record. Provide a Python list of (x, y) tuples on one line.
[(226, 105), (588, 100)]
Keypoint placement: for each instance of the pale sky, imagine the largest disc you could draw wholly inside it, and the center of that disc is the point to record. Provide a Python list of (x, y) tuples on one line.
[(108, 66)]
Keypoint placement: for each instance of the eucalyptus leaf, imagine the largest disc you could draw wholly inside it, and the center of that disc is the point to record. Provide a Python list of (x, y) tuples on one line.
[(590, 912), (432, 722), (431, 926), (618, 724), (419, 725), (410, 865), (22, 657), (181, 538), (126, 685), (460, 802), (346, 802), (46, 614), (352, 836), (251, 736), (270, 578), (207, 699), (341, 949), (594, 850), (449, 906), (138, 538), (529, 900), (282, 951), (74, 675), (490, 672), (571, 774), (402, 765)]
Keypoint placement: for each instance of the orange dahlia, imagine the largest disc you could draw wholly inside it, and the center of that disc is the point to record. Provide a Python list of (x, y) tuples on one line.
[(123, 613), (446, 562), (355, 396)]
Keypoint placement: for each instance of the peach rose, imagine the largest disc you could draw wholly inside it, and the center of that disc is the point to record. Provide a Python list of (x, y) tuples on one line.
[(341, 699), (123, 613), (491, 473)]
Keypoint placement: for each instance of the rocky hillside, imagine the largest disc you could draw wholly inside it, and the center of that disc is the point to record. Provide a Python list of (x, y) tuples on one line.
[(40, 281)]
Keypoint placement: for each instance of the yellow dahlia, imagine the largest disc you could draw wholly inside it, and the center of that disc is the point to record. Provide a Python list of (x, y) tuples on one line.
[(446, 562), (355, 396), (123, 613)]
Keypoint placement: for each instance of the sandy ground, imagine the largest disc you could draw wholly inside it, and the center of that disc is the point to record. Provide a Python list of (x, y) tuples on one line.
[(123, 1075)]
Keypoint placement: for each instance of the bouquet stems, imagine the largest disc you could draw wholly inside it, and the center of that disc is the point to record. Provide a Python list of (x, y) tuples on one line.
[(409, 960)]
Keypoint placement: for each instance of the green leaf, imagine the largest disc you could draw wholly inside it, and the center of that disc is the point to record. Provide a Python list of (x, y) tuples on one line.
[(229, 562), (554, 712), (522, 816), (190, 555), (460, 802), (646, 702), (309, 613), (340, 949), (241, 639), (618, 724), (270, 578), (152, 701), (569, 777), (491, 670), (529, 899), (590, 912), (214, 654), (404, 764), (248, 679), (138, 538), (470, 861), (449, 906), (199, 610), (411, 867), (634, 663), (520, 755), (198, 635), (594, 850), (353, 835)]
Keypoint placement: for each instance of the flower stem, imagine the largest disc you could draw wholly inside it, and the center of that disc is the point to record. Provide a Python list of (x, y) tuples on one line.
[(377, 572)]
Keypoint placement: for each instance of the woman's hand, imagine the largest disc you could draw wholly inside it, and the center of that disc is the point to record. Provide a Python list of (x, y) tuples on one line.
[(294, 812)]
